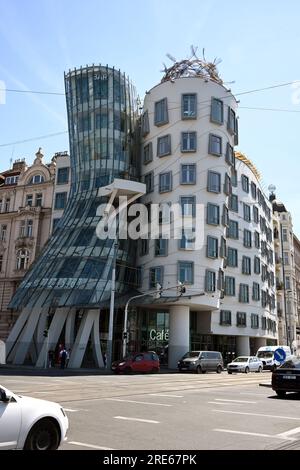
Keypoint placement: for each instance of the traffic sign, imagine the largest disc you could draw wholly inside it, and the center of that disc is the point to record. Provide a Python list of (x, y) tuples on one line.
[(279, 355)]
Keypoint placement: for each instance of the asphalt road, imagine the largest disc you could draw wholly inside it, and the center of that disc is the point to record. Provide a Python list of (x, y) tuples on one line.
[(169, 411)]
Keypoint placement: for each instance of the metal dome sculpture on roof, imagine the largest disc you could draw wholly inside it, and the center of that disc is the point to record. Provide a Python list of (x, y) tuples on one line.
[(192, 67)]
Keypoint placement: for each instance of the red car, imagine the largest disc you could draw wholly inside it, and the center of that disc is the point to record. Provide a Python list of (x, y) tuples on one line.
[(137, 362)]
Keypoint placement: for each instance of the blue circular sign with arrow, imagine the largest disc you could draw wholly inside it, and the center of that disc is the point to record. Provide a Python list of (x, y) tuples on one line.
[(279, 355)]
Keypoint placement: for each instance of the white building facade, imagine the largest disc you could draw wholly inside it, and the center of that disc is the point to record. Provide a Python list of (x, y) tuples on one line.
[(189, 129)]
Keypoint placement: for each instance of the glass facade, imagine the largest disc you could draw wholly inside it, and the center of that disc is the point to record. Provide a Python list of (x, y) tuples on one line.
[(74, 269)]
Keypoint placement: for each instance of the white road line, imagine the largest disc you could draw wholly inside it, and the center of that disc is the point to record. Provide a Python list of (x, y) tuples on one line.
[(70, 410), (257, 414), (91, 446), (262, 395), (164, 395), (137, 419), (278, 436), (219, 403), (140, 402), (235, 401), (286, 434)]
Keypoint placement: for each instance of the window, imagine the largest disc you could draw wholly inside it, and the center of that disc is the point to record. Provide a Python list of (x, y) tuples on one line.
[(254, 320), (256, 239), (286, 258), (11, 179), (60, 200), (188, 174), (144, 246), (186, 272), (232, 257), (149, 182), (189, 106), (230, 158), (145, 124), (216, 111), (247, 212), (227, 185), (255, 214), (223, 248), (231, 122), (215, 145), (29, 228), (36, 179), (256, 265), (246, 265), (210, 281), (188, 206), (1, 205), (241, 319), (225, 216), (148, 153), (233, 203), (164, 146), (245, 183), (7, 205), (229, 285), (3, 233), (63, 175), (212, 247), (225, 317), (161, 112), (234, 177), (29, 200), (212, 214), (161, 247), (255, 291), (38, 199), (287, 282), (247, 238), (233, 229), (155, 276), (284, 235), (1, 263), (213, 182), (187, 241), (165, 182), (188, 141), (244, 293), (253, 190), (100, 84), (221, 282), (23, 228), (22, 259)]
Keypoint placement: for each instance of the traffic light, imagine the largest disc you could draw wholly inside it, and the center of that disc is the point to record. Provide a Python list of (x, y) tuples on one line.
[(45, 334), (125, 335)]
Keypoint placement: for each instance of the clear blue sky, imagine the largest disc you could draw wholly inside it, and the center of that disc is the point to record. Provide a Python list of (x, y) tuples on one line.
[(258, 43)]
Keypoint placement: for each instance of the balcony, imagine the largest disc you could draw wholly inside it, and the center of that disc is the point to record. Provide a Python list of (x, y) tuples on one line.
[(279, 285), (24, 242)]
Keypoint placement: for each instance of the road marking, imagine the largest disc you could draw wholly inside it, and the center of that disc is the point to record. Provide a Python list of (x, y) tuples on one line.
[(91, 446), (164, 395), (254, 394), (137, 419), (278, 436), (140, 402), (70, 410), (235, 401), (219, 403), (257, 414), (286, 434)]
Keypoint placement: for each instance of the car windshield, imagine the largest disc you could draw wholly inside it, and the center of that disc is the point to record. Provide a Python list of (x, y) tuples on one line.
[(241, 359), (191, 354), (293, 363), (265, 354)]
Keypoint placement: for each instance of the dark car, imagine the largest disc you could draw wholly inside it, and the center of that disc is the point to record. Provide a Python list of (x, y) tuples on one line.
[(137, 362), (286, 378), (201, 361)]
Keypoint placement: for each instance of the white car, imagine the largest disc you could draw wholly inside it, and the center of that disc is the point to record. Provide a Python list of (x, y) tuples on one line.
[(29, 423), (245, 364)]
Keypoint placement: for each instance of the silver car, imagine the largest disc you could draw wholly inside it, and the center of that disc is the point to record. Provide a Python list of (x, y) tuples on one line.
[(245, 364)]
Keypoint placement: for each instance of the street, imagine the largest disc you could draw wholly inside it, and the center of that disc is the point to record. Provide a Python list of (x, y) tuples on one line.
[(168, 411)]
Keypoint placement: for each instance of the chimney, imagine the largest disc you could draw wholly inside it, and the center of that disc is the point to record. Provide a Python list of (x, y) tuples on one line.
[(19, 164)]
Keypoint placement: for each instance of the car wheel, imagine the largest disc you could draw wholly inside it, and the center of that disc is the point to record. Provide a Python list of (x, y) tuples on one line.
[(280, 393), (219, 370), (154, 370), (199, 370), (274, 367), (128, 370), (229, 372), (246, 370), (44, 435), (260, 369)]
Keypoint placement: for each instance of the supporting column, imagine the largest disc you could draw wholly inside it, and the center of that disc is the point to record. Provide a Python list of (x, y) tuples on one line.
[(70, 329), (179, 337), (96, 344), (243, 345), (16, 331), (82, 338), (259, 343)]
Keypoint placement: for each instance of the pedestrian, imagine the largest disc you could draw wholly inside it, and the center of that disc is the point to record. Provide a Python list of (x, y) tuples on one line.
[(51, 356), (63, 357), (104, 359)]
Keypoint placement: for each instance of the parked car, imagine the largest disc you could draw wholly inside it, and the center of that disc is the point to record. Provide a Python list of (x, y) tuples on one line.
[(286, 378), (201, 361), (138, 362), (245, 364), (266, 355), (30, 423)]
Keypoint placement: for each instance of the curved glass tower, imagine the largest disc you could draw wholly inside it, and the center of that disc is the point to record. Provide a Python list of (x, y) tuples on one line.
[(74, 270)]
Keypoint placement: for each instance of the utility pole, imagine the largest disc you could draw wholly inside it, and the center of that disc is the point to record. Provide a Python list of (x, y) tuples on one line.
[(46, 335), (112, 308)]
